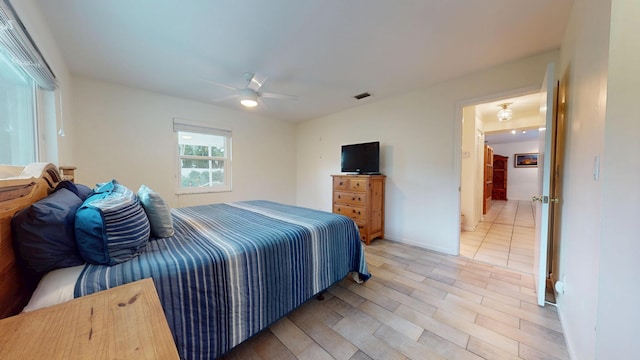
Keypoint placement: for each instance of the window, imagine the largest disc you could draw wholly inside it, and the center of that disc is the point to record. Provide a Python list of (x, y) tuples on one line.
[(204, 158), (18, 137), (24, 75)]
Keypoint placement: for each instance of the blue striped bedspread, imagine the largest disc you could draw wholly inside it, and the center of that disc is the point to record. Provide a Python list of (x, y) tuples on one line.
[(233, 269)]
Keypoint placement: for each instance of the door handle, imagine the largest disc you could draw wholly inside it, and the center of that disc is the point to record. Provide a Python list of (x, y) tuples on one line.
[(536, 198)]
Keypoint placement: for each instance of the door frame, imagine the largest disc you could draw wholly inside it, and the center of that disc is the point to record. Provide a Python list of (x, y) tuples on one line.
[(460, 105)]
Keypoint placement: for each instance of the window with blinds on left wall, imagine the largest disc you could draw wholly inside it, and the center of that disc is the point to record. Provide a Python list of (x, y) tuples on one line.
[(25, 76), (18, 129)]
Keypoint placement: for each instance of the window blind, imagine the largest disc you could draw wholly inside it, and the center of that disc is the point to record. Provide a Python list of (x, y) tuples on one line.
[(195, 127), (21, 49)]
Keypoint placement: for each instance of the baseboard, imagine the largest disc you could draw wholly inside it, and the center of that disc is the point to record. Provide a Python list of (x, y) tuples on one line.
[(469, 228), (423, 245)]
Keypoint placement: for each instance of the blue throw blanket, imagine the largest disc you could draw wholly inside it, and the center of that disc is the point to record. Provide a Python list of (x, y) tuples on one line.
[(233, 269)]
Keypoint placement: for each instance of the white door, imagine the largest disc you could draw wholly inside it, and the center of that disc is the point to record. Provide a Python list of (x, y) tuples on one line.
[(542, 201)]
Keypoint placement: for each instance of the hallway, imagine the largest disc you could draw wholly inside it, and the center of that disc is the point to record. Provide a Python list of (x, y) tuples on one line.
[(505, 237)]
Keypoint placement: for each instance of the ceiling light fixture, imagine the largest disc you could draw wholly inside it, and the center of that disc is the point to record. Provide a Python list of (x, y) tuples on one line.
[(248, 98), (505, 113)]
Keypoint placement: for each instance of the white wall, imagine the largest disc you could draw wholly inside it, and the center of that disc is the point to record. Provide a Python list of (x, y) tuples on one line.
[(618, 314), (127, 134), (584, 55), (522, 183), (420, 134)]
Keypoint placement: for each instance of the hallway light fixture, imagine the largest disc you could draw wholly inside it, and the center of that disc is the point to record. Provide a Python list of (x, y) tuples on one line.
[(504, 114)]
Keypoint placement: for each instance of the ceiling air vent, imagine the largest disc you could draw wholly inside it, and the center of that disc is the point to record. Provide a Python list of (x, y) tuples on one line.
[(362, 96)]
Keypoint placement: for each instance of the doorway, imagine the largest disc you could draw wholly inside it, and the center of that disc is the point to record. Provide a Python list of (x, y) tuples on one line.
[(504, 234)]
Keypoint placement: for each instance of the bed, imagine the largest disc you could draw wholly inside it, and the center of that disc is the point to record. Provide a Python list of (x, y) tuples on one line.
[(227, 272)]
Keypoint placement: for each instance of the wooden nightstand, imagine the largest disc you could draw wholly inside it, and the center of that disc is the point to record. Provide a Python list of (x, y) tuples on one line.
[(125, 322)]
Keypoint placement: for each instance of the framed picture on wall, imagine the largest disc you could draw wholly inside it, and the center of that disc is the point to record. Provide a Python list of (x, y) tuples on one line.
[(527, 160)]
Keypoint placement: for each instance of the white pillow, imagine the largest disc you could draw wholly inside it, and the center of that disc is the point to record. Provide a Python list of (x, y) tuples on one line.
[(55, 287)]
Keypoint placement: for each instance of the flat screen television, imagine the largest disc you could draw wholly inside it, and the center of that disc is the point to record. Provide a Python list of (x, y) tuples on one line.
[(361, 158)]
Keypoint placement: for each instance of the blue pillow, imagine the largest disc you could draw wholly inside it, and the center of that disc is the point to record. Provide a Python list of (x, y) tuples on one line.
[(111, 225), (157, 211), (43, 233), (82, 191)]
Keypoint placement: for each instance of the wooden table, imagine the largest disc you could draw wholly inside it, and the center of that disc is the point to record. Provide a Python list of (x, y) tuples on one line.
[(125, 322)]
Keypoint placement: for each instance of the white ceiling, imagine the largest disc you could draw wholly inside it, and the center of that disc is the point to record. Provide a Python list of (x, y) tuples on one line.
[(507, 137), (324, 52)]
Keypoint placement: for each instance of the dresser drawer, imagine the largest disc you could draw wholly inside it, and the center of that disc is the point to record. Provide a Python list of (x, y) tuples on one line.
[(355, 213), (340, 183), (349, 198), (358, 184)]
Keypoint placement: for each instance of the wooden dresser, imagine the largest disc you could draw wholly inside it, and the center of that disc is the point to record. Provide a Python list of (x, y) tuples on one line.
[(361, 197), (125, 322)]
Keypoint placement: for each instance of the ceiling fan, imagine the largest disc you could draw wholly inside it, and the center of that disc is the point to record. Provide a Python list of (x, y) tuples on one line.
[(250, 94)]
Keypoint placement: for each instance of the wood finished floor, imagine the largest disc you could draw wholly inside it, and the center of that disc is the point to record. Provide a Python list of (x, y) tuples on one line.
[(418, 305)]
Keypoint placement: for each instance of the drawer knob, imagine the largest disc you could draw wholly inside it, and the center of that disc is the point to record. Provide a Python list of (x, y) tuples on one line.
[(340, 183), (353, 198)]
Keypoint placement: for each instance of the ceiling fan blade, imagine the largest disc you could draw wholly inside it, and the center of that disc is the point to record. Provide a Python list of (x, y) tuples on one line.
[(256, 82), (222, 85), (224, 98), (278, 96), (262, 104)]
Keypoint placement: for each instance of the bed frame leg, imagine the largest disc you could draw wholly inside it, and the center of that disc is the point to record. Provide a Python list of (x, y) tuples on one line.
[(320, 296), (356, 278)]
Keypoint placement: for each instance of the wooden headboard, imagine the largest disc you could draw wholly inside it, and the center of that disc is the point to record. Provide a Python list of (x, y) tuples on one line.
[(19, 188)]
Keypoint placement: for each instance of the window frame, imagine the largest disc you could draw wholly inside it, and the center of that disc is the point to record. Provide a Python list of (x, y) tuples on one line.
[(181, 125)]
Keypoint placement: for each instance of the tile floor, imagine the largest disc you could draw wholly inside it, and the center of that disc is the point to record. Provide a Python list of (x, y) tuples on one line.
[(505, 237)]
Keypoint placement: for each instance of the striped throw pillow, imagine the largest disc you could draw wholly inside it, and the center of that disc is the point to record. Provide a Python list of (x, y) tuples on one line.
[(111, 225)]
